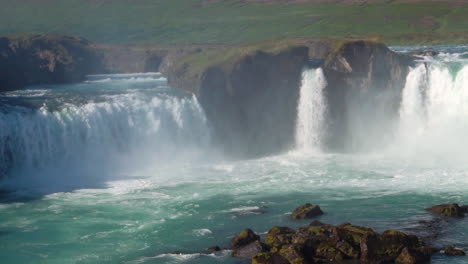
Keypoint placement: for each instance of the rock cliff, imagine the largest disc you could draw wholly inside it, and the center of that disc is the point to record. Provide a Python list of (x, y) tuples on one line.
[(45, 59), (250, 94), (365, 83)]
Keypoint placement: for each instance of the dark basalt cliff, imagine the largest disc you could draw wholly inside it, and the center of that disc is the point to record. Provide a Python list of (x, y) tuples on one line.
[(252, 107), (365, 83), (250, 95), (45, 59)]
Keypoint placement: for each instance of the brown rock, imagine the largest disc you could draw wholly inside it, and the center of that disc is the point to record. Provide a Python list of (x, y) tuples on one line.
[(293, 254), (306, 211), (387, 246), (250, 250), (243, 238), (451, 210), (269, 258), (452, 251), (214, 249), (413, 256)]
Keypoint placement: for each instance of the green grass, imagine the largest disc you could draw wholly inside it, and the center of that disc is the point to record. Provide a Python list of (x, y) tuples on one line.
[(234, 21)]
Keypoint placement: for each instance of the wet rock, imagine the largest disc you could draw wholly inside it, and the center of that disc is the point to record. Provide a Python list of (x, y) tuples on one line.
[(279, 235), (251, 250), (293, 254), (306, 211), (464, 209), (387, 246), (327, 251), (451, 210), (414, 256), (269, 258), (345, 243), (214, 249), (244, 238), (452, 251), (428, 52)]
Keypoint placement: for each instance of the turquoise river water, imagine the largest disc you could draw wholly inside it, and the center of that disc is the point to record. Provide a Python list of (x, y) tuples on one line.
[(120, 169)]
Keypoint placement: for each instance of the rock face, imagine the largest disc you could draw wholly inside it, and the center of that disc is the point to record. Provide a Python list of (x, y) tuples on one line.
[(45, 59), (131, 59), (244, 238), (365, 83), (451, 210), (252, 107), (251, 99), (345, 242), (306, 211)]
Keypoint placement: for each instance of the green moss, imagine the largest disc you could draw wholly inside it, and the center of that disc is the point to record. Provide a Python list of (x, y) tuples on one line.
[(278, 236)]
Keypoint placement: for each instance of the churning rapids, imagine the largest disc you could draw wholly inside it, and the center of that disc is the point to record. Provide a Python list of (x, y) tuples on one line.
[(121, 169)]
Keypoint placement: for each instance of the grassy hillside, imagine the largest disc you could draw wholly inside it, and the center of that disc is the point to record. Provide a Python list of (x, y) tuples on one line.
[(236, 21)]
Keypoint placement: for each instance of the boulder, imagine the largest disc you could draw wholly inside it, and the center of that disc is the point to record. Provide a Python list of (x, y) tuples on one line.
[(251, 250), (306, 211), (214, 249), (451, 210), (293, 254), (387, 246), (413, 256), (279, 235), (452, 251), (244, 238), (269, 258)]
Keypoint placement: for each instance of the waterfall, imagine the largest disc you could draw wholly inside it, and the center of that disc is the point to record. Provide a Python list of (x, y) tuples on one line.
[(101, 137), (434, 111), (311, 111)]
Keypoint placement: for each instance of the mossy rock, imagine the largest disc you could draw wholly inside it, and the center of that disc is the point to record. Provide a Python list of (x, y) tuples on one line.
[(351, 233), (306, 211), (293, 254), (328, 252), (278, 236), (269, 258), (387, 246), (244, 238), (451, 210)]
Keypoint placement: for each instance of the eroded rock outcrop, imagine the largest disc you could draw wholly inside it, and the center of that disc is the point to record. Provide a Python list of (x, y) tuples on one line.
[(250, 93), (306, 211), (45, 59), (451, 210), (365, 83), (334, 244)]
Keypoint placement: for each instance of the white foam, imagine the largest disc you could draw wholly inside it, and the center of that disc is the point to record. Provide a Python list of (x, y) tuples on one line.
[(311, 111)]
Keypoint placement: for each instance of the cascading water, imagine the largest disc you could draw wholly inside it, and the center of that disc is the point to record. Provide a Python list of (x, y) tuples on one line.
[(133, 120), (311, 111), (434, 111)]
